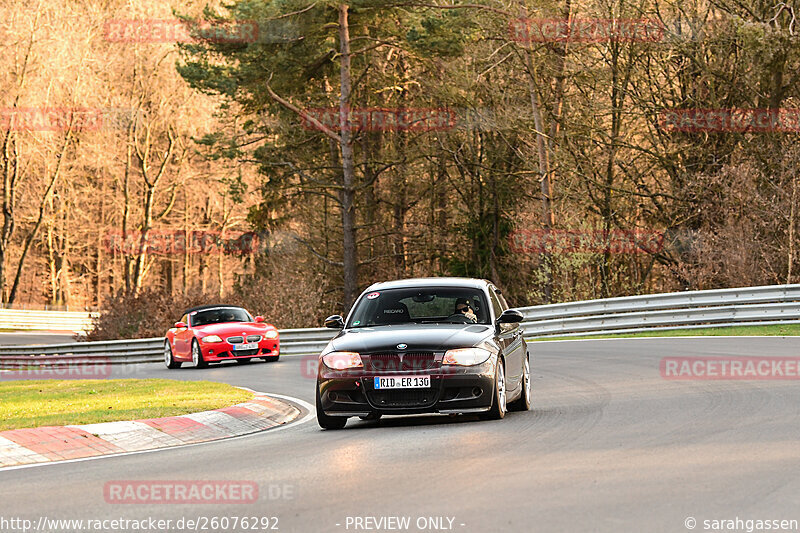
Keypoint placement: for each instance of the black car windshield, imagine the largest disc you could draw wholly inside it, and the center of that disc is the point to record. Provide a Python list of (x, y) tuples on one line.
[(421, 305), (219, 315)]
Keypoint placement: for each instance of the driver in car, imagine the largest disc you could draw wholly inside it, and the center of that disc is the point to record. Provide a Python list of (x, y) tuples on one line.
[(463, 308)]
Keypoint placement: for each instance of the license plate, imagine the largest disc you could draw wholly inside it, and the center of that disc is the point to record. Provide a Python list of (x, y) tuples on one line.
[(402, 382), (249, 346)]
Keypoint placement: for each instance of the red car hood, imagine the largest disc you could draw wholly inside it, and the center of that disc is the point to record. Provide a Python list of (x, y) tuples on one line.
[(234, 328)]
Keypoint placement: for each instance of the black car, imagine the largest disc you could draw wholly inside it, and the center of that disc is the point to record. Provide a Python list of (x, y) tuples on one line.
[(430, 345)]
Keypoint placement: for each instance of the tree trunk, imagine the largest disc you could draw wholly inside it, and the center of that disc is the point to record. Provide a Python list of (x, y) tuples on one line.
[(185, 278), (10, 174), (545, 187), (790, 260), (347, 193), (126, 206), (32, 235), (141, 253)]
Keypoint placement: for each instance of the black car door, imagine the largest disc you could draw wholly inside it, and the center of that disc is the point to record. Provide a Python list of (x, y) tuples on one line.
[(510, 338)]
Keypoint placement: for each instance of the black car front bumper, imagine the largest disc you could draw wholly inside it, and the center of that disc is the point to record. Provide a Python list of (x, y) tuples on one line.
[(454, 389)]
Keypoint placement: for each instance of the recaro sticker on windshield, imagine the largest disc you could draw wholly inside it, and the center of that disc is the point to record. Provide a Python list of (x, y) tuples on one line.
[(373, 295)]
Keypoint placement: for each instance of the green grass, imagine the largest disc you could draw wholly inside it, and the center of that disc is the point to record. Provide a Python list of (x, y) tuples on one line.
[(781, 330), (28, 404)]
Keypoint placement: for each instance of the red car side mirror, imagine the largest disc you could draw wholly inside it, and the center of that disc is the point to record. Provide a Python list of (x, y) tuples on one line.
[(259, 318), (180, 325)]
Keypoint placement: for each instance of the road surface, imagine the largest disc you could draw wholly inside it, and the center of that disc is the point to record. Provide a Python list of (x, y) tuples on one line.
[(609, 446)]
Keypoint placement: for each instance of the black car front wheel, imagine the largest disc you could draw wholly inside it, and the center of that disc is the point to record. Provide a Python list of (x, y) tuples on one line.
[(499, 407), (328, 422), (523, 403)]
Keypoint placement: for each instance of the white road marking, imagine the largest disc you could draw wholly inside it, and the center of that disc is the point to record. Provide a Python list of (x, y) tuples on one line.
[(310, 416)]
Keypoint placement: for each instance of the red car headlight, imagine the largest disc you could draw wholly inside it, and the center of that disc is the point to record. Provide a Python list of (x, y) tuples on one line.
[(342, 360), (271, 334)]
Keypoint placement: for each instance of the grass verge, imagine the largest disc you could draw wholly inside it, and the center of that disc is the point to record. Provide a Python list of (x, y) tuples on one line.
[(779, 330), (29, 404)]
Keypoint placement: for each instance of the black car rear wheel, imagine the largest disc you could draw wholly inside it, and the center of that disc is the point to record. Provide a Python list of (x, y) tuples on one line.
[(271, 358), (523, 403), (328, 422), (498, 410)]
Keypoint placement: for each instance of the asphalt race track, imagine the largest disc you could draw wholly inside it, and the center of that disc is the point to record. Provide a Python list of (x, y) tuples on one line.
[(609, 446)]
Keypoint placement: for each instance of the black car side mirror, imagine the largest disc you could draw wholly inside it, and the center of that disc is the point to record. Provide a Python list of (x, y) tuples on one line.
[(334, 322), (510, 316)]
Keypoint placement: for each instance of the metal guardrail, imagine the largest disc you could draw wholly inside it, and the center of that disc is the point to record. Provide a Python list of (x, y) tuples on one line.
[(107, 352), (767, 305), (38, 320), (293, 342), (775, 304)]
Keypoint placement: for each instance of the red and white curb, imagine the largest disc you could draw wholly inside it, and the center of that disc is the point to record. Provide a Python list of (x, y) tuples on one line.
[(60, 443)]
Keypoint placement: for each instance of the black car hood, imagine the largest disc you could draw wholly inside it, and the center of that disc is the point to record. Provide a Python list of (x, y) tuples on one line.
[(418, 337)]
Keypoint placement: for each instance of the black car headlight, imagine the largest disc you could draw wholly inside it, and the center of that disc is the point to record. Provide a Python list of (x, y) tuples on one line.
[(466, 356), (342, 360)]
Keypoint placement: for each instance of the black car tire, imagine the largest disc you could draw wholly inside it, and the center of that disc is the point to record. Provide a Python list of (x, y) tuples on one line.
[(498, 410), (523, 403), (328, 422), (243, 361), (199, 362), (271, 358), (170, 361)]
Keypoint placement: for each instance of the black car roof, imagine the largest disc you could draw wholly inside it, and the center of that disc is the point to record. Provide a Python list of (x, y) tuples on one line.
[(204, 307), (430, 282)]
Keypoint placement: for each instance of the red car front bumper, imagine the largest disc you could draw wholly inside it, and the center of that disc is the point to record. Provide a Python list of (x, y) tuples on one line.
[(223, 351)]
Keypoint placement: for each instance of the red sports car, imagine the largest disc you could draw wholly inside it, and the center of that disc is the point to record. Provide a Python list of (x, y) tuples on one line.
[(213, 333)]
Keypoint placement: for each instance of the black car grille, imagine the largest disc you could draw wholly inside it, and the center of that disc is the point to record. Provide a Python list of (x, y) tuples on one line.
[(396, 362), (235, 340), (237, 353), (403, 398), (253, 338)]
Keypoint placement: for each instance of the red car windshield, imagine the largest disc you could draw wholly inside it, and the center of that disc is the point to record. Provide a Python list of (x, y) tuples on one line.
[(219, 316)]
